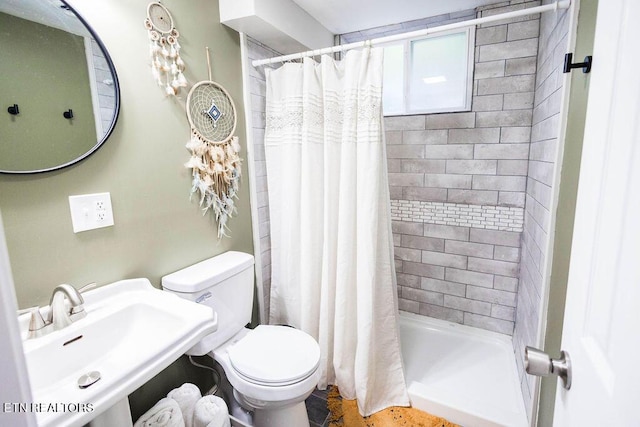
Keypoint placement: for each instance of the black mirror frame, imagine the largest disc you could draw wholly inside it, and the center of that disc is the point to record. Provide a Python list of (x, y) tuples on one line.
[(116, 86)]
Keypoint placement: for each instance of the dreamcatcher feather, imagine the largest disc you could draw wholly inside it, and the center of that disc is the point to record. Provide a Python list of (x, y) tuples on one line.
[(215, 160), (166, 65)]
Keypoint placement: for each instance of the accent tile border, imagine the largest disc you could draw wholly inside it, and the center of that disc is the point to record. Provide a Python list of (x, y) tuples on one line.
[(488, 217)]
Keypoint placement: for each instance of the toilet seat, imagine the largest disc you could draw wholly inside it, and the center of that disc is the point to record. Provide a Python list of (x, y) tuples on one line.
[(274, 356)]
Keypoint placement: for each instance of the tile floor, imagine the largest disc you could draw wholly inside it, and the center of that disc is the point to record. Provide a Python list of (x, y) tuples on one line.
[(317, 408)]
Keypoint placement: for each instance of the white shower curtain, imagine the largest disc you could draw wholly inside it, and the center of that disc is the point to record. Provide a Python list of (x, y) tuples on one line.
[(331, 243)]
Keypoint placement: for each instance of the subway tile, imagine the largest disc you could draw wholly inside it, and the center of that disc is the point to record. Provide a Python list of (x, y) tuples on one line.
[(408, 280), (423, 270), (506, 253), (504, 183), (504, 118), (539, 191), (519, 66), (419, 242), (394, 165), (397, 239), (395, 193), (421, 295), (509, 84), (511, 198), (502, 268), (467, 305), (479, 250), (491, 295), (425, 194), (406, 179), (503, 312), (404, 123), (541, 171), (486, 70), (491, 35), (514, 49), (446, 232), (474, 136), (495, 237), (410, 306), (546, 129), (442, 313), (490, 323), (469, 277), (504, 283), (475, 167), (393, 137), (473, 197), (450, 120), (544, 151), (447, 181), (398, 265), (411, 228), (487, 103), (515, 134), (518, 101), (450, 151), (423, 165), (406, 254), (442, 286), (424, 136), (444, 259), (513, 167), (523, 30), (405, 151), (501, 151)]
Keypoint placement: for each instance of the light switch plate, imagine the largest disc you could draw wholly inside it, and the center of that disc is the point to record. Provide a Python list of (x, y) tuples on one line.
[(91, 211)]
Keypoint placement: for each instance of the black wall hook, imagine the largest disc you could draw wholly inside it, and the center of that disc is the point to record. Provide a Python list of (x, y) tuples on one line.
[(14, 110), (68, 114), (568, 65)]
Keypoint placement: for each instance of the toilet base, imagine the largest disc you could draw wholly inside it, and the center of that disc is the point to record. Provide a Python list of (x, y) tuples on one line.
[(295, 415)]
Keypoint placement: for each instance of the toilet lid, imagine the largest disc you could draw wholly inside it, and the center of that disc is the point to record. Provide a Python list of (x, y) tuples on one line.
[(275, 355)]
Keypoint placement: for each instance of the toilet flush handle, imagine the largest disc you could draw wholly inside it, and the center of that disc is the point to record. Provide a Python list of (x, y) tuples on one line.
[(203, 297)]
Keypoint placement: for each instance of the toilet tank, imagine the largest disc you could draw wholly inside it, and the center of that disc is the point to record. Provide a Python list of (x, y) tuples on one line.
[(224, 283)]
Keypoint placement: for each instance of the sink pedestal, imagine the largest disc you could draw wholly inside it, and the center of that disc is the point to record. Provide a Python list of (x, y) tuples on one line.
[(118, 415)]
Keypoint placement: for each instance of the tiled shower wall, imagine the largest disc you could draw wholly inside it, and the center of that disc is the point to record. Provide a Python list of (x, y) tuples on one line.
[(458, 180), (256, 50), (554, 29)]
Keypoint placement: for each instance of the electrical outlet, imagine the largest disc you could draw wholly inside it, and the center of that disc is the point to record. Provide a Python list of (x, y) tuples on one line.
[(90, 211)]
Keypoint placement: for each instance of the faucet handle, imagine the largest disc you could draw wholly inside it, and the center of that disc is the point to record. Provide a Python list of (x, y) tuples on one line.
[(87, 287), (36, 322)]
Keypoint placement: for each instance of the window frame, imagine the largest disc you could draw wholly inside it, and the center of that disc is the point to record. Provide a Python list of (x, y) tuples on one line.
[(408, 62)]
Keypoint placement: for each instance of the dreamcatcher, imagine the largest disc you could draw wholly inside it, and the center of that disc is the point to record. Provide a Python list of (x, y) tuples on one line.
[(215, 160), (166, 65)]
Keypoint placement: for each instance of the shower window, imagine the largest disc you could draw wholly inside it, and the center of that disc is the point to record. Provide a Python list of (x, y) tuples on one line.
[(432, 74)]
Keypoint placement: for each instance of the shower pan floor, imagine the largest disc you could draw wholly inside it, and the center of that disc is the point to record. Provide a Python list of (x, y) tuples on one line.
[(464, 374)]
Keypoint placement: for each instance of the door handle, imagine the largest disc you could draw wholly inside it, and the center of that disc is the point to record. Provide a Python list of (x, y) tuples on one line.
[(537, 362)]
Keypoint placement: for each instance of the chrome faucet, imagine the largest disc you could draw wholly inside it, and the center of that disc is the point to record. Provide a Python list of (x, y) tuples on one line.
[(59, 316)]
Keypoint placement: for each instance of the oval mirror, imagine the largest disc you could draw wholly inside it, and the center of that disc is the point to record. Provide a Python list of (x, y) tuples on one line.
[(58, 87)]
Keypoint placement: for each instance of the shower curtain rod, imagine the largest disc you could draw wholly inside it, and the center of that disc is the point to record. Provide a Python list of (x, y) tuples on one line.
[(559, 4)]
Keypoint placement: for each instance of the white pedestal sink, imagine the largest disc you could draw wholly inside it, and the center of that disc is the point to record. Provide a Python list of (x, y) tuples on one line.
[(132, 331)]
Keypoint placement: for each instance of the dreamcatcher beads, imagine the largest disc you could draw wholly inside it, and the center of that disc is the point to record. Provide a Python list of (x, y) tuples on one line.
[(216, 176), (167, 67)]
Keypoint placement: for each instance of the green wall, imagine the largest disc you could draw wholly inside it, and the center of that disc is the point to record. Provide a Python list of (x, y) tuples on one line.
[(157, 228), (567, 204), (44, 70)]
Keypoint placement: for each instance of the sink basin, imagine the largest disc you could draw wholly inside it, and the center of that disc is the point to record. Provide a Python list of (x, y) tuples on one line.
[(132, 331)]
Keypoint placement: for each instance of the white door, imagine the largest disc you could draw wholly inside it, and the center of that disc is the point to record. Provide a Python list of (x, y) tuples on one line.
[(602, 316)]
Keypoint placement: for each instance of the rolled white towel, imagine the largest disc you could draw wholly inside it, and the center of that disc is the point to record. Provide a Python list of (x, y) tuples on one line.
[(211, 411), (165, 413), (186, 395)]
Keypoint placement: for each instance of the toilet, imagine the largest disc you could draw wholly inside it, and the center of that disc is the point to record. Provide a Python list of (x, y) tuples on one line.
[(272, 369)]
